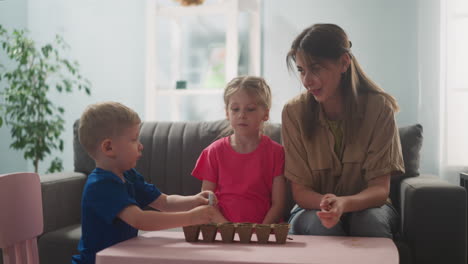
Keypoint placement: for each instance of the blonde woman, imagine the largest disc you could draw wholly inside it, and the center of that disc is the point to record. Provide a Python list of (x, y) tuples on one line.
[(341, 141)]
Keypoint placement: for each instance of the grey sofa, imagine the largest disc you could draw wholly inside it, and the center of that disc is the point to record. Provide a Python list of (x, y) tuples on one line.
[(433, 212)]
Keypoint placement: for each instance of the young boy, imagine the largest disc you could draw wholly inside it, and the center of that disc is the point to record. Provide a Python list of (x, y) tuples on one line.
[(115, 192)]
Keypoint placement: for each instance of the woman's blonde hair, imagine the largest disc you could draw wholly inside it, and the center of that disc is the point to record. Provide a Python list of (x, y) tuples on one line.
[(254, 86), (330, 42)]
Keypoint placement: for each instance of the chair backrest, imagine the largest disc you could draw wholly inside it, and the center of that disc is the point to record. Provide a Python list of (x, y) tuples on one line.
[(21, 217)]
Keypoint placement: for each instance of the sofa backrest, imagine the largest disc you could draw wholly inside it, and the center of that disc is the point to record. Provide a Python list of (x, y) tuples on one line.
[(171, 150)]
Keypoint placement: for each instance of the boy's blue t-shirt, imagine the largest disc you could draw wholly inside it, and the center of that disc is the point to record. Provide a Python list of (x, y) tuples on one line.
[(104, 196)]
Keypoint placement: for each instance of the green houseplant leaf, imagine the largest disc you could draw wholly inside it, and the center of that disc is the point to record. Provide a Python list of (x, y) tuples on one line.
[(36, 123)]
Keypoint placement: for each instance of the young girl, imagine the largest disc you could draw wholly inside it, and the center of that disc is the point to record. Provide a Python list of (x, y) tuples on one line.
[(245, 170)]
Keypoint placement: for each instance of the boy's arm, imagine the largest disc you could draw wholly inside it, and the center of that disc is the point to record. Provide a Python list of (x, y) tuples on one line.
[(177, 203), (153, 220), (278, 197)]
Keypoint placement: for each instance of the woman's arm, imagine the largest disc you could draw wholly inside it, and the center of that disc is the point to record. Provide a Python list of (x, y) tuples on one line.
[(305, 197), (278, 201), (374, 195)]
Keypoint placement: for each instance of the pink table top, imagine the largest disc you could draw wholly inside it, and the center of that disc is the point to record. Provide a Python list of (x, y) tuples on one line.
[(171, 248)]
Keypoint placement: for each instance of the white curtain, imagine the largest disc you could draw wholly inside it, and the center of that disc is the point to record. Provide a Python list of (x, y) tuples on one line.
[(454, 88)]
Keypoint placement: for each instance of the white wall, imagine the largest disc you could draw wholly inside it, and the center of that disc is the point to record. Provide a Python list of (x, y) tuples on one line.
[(384, 37), (107, 38), (13, 14), (396, 42), (429, 94)]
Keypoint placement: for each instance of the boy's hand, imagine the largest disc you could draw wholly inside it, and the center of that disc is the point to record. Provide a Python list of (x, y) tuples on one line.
[(203, 198), (206, 214)]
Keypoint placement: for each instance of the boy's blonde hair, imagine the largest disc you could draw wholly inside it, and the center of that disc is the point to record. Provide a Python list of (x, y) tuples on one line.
[(104, 120), (253, 85)]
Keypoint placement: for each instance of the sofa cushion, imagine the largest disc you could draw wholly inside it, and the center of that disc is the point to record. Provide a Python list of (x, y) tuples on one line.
[(82, 161), (58, 246), (411, 142), (170, 152)]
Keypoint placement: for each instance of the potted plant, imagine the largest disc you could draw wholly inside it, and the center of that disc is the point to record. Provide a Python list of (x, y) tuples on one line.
[(27, 77)]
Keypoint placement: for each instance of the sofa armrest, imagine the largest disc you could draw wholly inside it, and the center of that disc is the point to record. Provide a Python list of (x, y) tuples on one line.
[(61, 199), (433, 220)]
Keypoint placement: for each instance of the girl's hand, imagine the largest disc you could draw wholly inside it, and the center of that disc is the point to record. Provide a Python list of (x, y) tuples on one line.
[(332, 208)]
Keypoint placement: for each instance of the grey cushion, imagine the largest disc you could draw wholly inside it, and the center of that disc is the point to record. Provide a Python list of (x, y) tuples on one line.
[(171, 150), (58, 246), (83, 162), (411, 142)]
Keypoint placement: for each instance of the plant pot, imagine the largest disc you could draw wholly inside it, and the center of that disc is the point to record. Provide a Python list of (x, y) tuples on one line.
[(281, 232), (208, 232), (191, 233), (263, 233), (245, 230), (227, 231)]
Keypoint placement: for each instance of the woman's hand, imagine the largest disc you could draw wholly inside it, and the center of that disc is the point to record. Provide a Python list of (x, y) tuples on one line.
[(332, 208)]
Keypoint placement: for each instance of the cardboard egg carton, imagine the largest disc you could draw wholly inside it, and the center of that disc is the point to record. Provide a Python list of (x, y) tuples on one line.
[(244, 231)]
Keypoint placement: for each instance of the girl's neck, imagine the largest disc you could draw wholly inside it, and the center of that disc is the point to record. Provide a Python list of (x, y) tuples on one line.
[(245, 144)]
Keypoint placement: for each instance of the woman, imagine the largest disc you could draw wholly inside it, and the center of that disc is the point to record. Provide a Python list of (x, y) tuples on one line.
[(341, 141)]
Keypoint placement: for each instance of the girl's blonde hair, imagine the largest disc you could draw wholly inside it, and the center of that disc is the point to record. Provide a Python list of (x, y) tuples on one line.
[(330, 42), (254, 86)]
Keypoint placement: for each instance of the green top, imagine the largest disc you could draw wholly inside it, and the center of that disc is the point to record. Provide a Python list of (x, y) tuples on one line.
[(337, 130)]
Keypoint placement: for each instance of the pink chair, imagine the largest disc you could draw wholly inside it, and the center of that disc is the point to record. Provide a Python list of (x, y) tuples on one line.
[(20, 217)]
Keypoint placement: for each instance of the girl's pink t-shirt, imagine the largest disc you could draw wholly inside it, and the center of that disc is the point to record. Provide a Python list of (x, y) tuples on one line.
[(243, 181)]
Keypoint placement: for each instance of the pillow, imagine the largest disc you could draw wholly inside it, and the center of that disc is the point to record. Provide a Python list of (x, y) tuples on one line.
[(411, 142), (82, 161)]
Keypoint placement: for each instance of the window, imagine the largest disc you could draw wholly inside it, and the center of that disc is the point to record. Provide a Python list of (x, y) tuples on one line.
[(193, 51), (454, 81)]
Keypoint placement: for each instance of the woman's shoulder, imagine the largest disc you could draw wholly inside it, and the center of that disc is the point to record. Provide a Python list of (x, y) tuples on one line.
[(298, 104), (376, 102), (298, 100)]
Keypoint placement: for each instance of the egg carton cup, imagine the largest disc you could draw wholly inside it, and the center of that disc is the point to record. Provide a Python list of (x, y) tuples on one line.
[(244, 231)]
